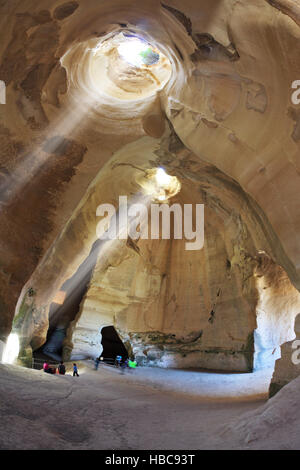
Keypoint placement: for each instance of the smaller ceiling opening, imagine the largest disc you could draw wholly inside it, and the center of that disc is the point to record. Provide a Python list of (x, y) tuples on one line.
[(158, 184)]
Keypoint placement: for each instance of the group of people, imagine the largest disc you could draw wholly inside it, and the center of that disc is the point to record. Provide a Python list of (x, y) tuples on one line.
[(119, 362), (124, 364), (61, 369)]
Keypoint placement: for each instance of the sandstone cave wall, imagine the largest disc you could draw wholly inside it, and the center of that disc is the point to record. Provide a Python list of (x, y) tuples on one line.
[(230, 128)]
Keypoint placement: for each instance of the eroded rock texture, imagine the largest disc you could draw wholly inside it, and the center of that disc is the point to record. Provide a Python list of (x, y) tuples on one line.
[(82, 126), (287, 366)]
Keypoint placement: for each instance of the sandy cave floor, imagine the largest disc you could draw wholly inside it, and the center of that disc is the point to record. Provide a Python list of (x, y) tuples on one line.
[(146, 408)]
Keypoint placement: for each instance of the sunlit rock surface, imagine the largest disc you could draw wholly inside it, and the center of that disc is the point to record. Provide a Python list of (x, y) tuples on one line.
[(287, 366)]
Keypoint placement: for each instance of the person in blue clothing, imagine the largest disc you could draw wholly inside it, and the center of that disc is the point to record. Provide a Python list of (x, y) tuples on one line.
[(97, 362), (75, 370), (118, 361)]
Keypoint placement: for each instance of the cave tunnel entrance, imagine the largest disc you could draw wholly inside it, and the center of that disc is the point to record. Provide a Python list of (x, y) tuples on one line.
[(65, 307), (112, 345)]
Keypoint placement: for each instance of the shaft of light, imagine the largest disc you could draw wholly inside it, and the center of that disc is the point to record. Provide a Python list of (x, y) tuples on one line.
[(11, 349)]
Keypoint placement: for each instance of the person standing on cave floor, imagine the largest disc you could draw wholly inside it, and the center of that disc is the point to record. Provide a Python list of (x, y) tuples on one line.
[(97, 361), (123, 366), (118, 361), (61, 368), (131, 364), (75, 370)]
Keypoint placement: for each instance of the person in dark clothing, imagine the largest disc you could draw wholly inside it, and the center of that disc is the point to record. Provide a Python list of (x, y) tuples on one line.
[(75, 370), (97, 362), (61, 368), (118, 361), (123, 367)]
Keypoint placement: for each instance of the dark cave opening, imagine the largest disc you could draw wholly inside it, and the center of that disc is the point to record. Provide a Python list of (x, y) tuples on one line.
[(112, 345)]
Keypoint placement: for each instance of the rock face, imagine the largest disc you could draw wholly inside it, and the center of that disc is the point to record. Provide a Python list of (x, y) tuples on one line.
[(287, 367), (82, 126)]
